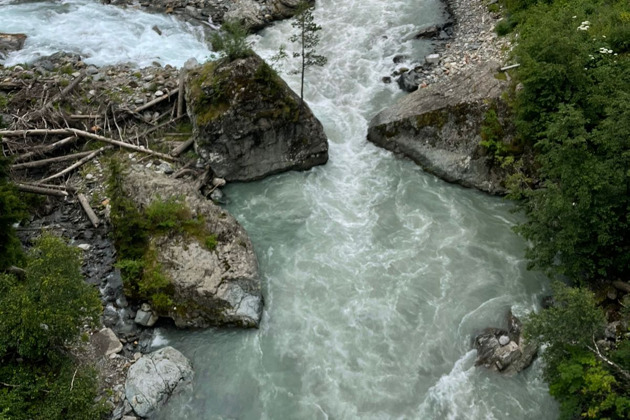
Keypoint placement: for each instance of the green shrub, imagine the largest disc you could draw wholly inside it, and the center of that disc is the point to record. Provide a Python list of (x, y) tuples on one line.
[(492, 136), (39, 316), (211, 242), (232, 41), (505, 26), (583, 385), (47, 309)]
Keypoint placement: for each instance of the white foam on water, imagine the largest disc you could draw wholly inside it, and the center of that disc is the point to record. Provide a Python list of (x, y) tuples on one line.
[(158, 340), (103, 34)]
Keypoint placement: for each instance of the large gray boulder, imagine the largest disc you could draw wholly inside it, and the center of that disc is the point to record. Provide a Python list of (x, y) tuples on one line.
[(218, 286), (248, 123), (154, 378), (439, 127)]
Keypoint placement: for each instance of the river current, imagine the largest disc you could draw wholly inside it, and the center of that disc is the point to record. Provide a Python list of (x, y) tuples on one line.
[(376, 275)]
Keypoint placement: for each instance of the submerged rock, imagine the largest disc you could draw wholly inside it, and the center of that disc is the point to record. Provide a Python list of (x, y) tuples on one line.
[(248, 123), (10, 43), (214, 282), (502, 350), (439, 127), (155, 377)]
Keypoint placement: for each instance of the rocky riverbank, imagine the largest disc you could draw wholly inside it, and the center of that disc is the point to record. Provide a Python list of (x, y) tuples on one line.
[(465, 40), (459, 104), (253, 14)]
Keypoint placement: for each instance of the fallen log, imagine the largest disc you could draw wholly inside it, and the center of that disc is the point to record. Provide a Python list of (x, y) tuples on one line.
[(155, 101), (180, 96), (120, 144), (64, 92), (53, 186), (85, 117), (182, 147), (622, 285), (44, 162), (34, 132), (513, 66), (88, 210), (45, 149), (77, 164), (41, 190), (157, 127)]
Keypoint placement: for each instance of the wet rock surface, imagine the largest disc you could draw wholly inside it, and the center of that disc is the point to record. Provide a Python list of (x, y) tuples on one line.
[(504, 350), (439, 124), (248, 123), (155, 377), (218, 286), (10, 43), (440, 128)]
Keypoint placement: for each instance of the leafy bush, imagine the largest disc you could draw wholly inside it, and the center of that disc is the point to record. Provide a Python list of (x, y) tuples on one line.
[(232, 41), (577, 378), (505, 26), (492, 136), (574, 107), (39, 316)]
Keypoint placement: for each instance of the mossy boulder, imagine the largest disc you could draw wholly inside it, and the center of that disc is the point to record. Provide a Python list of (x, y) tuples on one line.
[(248, 123), (440, 128), (201, 271)]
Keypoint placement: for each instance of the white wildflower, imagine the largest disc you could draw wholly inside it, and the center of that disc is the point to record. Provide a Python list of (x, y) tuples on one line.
[(584, 26)]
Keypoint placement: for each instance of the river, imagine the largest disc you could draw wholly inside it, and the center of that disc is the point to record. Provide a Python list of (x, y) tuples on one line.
[(375, 274)]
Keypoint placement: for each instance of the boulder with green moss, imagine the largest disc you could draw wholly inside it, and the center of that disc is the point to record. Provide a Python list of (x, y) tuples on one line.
[(248, 123), (440, 128), (190, 259)]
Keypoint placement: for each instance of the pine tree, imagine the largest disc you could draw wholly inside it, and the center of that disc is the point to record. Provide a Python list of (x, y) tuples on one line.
[(307, 39)]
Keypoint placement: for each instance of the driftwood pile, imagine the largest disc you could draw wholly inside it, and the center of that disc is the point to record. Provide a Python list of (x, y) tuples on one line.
[(49, 122)]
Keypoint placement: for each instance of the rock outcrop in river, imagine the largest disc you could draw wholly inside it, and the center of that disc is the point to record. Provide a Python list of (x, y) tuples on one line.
[(504, 350), (248, 123), (214, 283), (10, 42), (439, 127), (154, 378)]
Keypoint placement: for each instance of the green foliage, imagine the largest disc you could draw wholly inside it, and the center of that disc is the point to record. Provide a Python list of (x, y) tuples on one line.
[(43, 312), (578, 222), (211, 242), (492, 136), (574, 108), (232, 41), (53, 390), (577, 379), (505, 26), (586, 389), (39, 316), (570, 324), (129, 233)]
